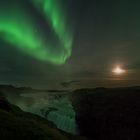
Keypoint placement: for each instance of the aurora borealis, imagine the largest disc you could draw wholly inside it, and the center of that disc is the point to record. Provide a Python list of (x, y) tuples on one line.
[(45, 43), (18, 29), (58, 58)]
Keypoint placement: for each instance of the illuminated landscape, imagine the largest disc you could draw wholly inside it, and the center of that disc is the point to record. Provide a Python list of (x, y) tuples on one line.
[(69, 70)]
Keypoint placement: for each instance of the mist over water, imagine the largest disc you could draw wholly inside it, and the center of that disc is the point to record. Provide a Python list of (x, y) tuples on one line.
[(55, 107)]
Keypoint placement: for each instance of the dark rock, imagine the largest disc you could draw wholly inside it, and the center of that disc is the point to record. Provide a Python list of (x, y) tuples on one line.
[(108, 114)]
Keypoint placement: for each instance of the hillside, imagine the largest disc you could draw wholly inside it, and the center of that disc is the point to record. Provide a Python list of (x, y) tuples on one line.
[(108, 114)]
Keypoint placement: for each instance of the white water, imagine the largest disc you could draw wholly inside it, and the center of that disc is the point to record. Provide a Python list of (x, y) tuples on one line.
[(63, 114)]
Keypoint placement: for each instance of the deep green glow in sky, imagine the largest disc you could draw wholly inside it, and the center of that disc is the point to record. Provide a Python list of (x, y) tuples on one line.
[(51, 11), (18, 29)]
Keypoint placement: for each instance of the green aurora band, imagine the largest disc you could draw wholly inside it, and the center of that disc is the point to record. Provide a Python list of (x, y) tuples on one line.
[(18, 29)]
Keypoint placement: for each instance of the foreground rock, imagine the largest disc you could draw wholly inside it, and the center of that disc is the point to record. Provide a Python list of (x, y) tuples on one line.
[(108, 114)]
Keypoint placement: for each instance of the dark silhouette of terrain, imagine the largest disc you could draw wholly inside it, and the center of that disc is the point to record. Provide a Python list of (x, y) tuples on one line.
[(108, 114), (4, 105), (101, 114)]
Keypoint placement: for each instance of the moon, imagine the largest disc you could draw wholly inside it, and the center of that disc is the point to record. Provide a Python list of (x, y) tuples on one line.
[(118, 70)]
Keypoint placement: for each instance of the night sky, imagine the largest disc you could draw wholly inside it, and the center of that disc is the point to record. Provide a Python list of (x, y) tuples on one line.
[(72, 44)]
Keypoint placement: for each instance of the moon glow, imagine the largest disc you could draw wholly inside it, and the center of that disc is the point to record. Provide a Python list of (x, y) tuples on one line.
[(118, 70)]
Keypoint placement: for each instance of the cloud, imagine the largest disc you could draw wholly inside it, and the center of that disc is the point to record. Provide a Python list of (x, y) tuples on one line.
[(69, 83)]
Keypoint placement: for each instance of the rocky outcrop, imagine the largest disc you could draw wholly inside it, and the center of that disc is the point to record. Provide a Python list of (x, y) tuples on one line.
[(108, 114)]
